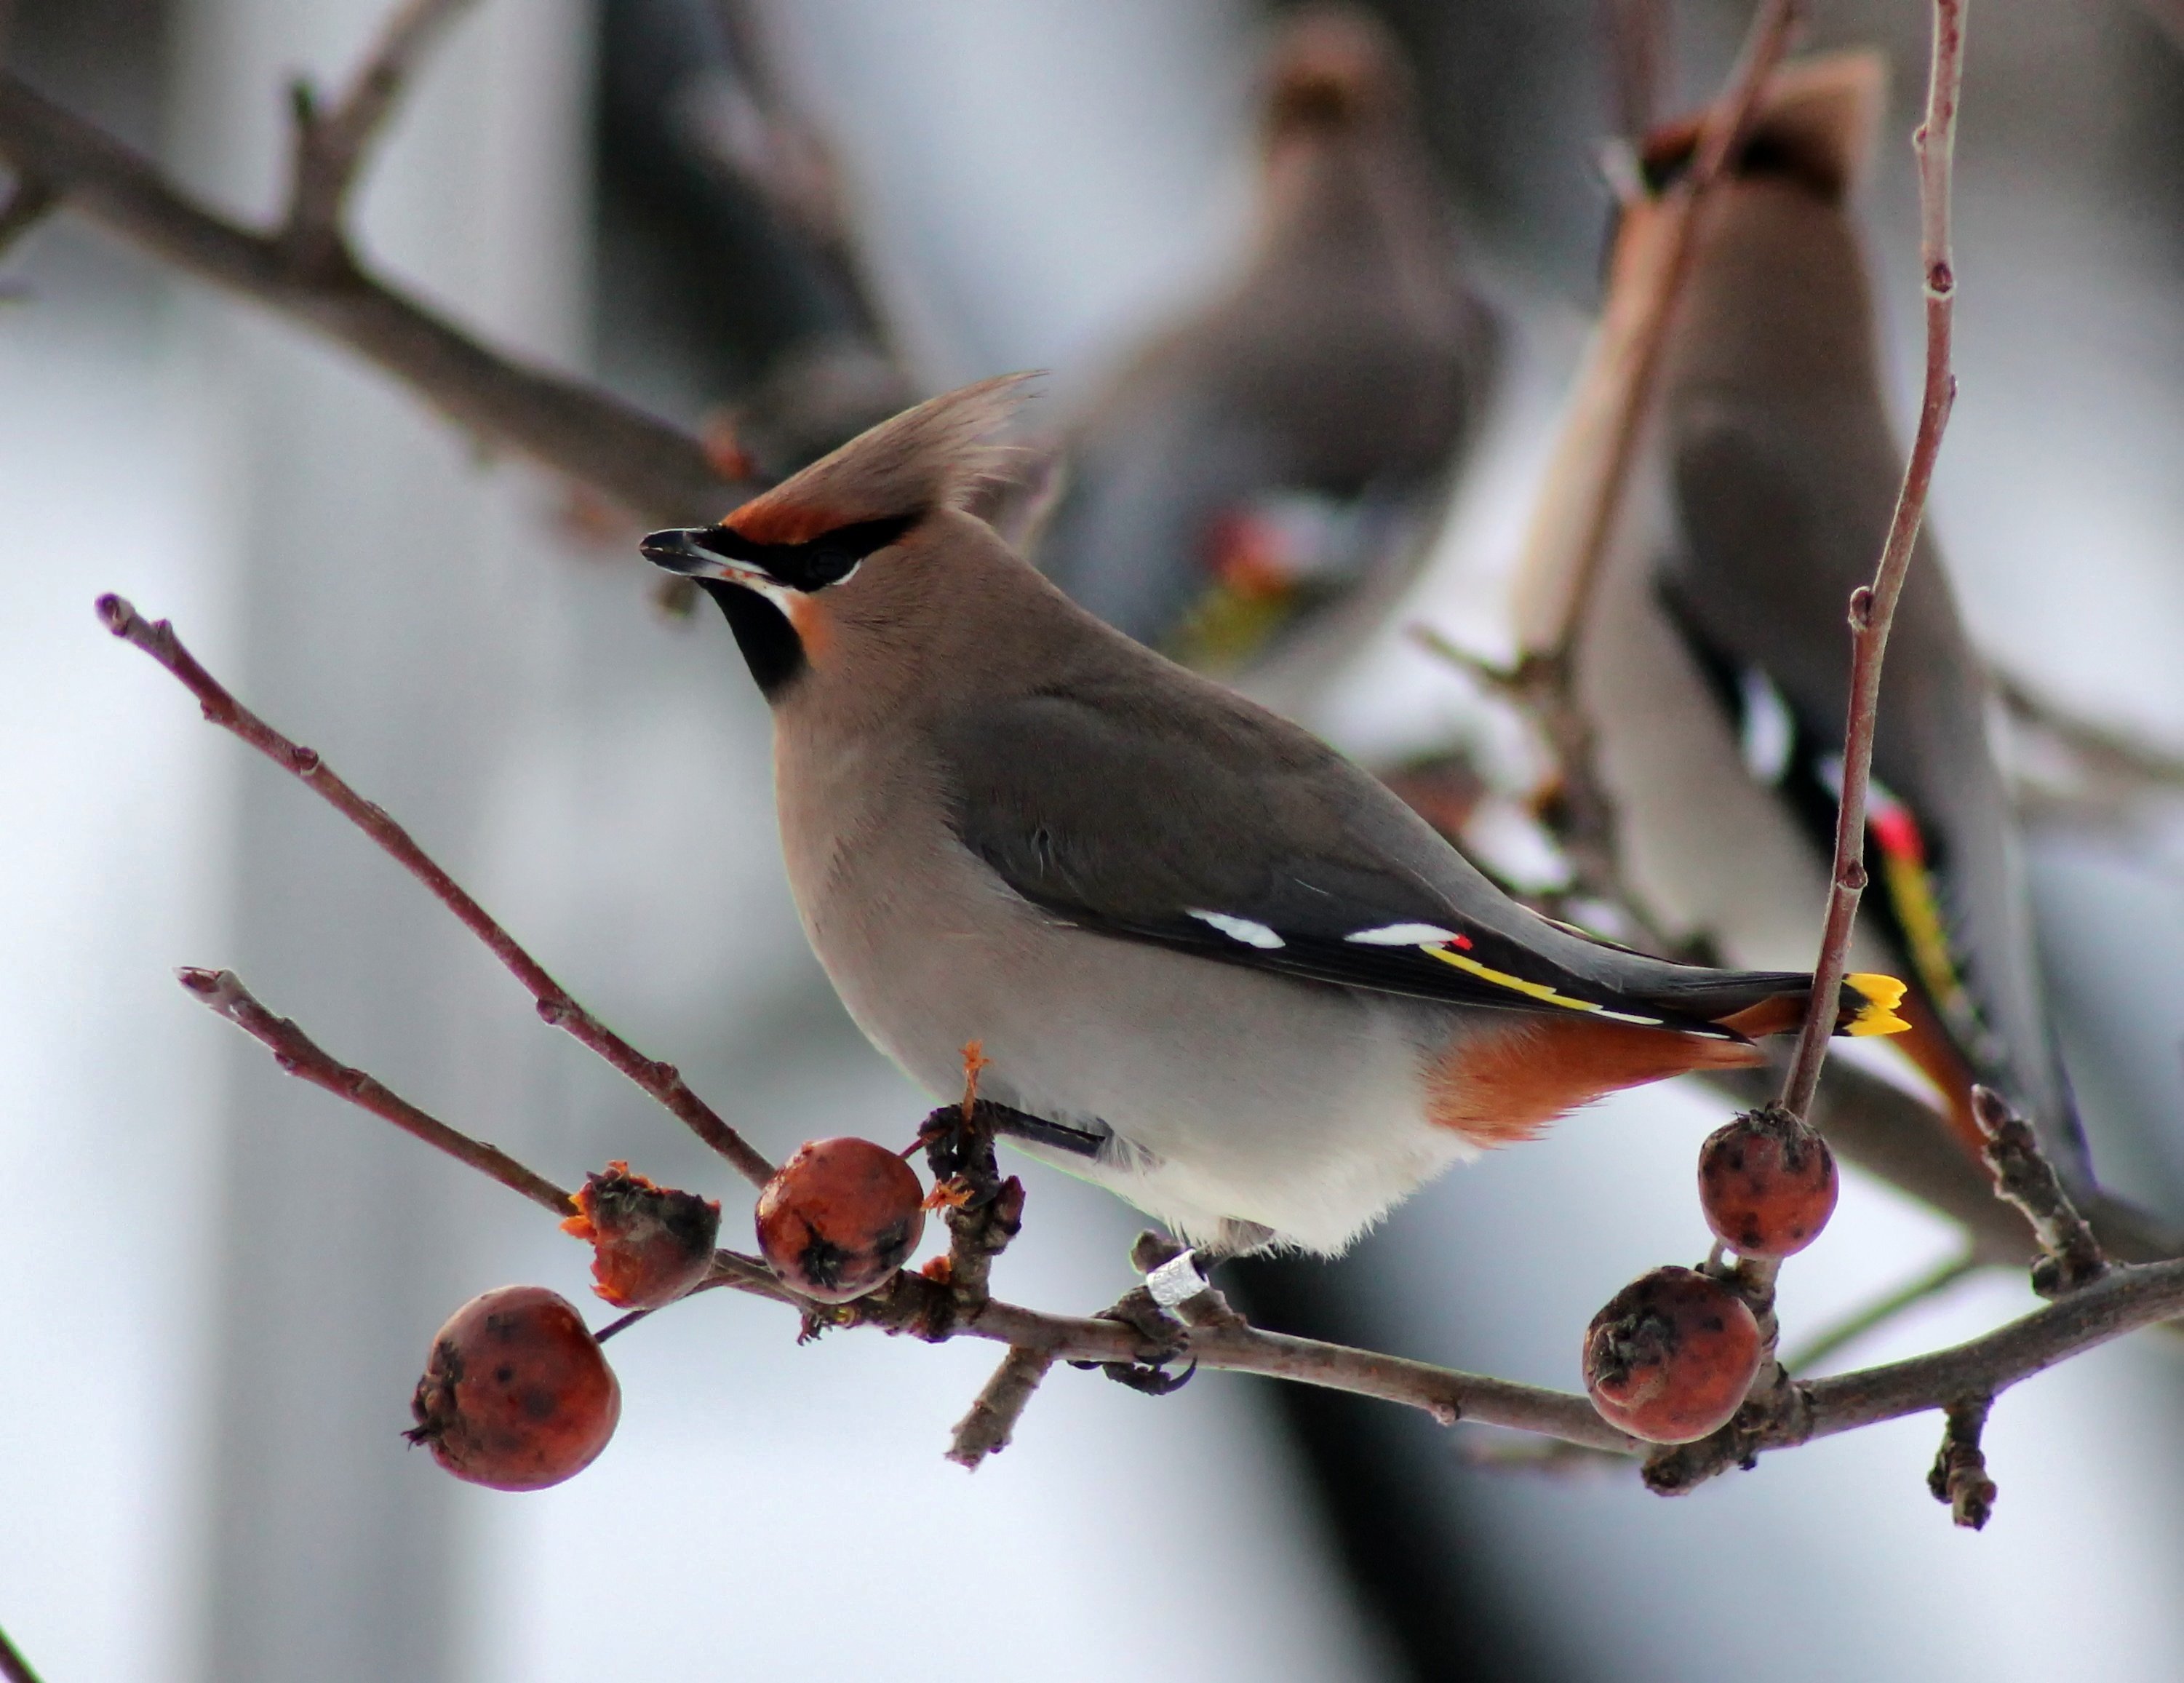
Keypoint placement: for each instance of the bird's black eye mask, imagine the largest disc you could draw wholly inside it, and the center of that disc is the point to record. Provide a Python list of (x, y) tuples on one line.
[(811, 565)]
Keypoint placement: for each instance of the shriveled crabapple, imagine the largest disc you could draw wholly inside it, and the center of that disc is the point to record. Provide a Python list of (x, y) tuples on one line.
[(1670, 1357), (516, 1394), (1767, 1183), (839, 1218), (650, 1245)]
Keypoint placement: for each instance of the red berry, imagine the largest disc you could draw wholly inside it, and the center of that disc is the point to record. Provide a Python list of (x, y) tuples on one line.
[(1767, 1183), (839, 1218), (1671, 1357), (516, 1394), (649, 1244)]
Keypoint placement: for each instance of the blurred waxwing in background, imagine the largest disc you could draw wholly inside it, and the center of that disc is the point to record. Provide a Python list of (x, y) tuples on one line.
[(730, 221), (1711, 648), (1250, 489)]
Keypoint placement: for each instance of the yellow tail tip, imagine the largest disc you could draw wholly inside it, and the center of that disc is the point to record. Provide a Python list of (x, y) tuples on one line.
[(1880, 995)]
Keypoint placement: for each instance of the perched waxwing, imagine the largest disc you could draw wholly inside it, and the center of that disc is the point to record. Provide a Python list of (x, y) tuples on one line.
[(1711, 647), (1217, 968), (1254, 479)]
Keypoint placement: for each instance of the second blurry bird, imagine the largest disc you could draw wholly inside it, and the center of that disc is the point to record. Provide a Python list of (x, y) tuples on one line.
[(1710, 647), (1252, 479)]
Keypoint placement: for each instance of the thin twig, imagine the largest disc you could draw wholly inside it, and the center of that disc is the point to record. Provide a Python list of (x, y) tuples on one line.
[(1872, 612), (577, 429), (1959, 1477), (222, 992), (1872, 607), (1591, 471), (2024, 1176), (330, 144), (990, 1425), (555, 1004), (12, 1666), (1881, 1311)]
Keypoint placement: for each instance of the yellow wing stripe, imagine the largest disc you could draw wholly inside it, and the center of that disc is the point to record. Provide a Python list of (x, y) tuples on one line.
[(1537, 990), (1882, 995)]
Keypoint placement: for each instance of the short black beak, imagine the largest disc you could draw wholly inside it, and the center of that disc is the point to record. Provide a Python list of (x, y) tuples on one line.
[(677, 550)]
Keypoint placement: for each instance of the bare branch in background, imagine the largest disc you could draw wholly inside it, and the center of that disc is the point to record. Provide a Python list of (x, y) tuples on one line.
[(30, 201), (1593, 460), (576, 429), (1881, 1311), (222, 992), (1641, 62), (331, 143), (555, 1003)]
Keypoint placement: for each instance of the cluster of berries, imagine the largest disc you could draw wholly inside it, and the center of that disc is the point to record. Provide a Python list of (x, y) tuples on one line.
[(517, 1394), (1672, 1356)]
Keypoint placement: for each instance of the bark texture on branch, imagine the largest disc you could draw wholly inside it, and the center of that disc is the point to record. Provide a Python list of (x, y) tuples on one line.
[(570, 426)]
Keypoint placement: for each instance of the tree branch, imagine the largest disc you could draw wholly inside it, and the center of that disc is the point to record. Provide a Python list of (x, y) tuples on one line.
[(222, 992), (992, 1422), (576, 429), (555, 1003), (2024, 1176), (330, 145), (1593, 458), (12, 1666), (1872, 607)]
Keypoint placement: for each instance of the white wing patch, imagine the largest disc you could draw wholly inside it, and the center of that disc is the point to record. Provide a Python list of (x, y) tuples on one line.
[(1770, 733), (1244, 929), (1402, 936)]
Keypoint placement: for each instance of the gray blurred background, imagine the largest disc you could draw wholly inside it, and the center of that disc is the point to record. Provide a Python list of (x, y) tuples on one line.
[(227, 1282)]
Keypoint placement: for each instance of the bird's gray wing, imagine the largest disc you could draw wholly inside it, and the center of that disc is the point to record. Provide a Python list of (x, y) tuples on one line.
[(1231, 836)]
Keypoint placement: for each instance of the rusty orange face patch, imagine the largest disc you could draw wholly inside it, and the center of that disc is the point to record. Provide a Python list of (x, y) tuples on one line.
[(772, 520), (814, 626)]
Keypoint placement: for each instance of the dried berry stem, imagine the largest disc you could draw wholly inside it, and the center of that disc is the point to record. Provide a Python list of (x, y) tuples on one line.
[(991, 1423), (222, 991), (555, 1004), (2024, 1176)]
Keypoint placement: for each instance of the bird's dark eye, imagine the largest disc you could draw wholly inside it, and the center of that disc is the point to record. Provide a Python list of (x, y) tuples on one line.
[(816, 563)]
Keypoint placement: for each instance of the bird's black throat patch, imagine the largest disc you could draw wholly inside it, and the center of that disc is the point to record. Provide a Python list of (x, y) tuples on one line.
[(770, 647)]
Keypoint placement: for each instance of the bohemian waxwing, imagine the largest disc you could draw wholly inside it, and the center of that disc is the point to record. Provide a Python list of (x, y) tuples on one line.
[(1712, 652), (1254, 477), (1220, 969)]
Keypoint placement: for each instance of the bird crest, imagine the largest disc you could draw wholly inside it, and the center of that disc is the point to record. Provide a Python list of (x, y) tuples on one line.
[(939, 454)]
